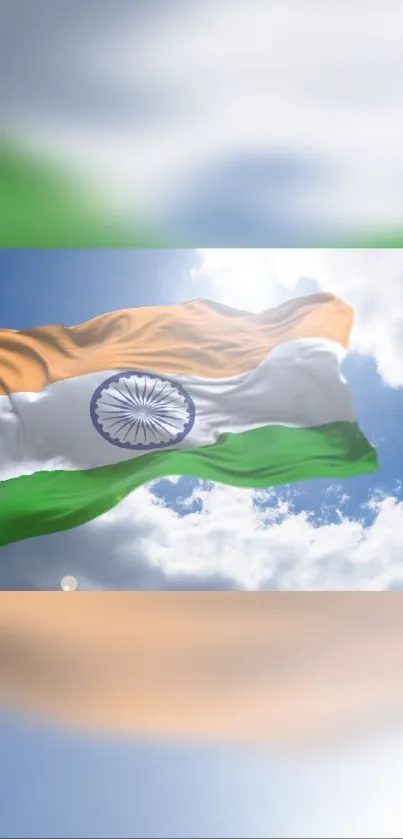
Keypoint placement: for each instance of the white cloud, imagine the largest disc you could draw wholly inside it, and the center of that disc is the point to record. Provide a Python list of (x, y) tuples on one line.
[(371, 280), (234, 537), (228, 539)]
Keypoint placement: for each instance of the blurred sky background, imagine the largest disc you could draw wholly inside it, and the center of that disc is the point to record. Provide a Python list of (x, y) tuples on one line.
[(55, 783), (326, 696), (211, 123), (183, 533)]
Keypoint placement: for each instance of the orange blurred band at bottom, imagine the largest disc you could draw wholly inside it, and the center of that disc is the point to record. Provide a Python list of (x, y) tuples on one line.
[(279, 668)]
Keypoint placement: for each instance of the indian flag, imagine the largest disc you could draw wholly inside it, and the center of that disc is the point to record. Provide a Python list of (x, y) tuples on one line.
[(90, 412)]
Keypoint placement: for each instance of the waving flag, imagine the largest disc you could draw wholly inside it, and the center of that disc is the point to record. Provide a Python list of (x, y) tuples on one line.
[(88, 413)]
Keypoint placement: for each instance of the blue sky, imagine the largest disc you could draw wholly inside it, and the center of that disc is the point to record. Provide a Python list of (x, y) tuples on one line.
[(59, 783), (55, 783)]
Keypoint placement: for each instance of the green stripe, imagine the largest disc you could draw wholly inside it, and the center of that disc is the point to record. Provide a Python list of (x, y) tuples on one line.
[(43, 206), (47, 502)]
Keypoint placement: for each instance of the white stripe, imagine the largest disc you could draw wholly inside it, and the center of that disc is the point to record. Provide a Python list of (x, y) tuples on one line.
[(298, 384)]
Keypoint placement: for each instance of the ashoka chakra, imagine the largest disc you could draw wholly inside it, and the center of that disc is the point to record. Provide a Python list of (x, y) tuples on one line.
[(142, 411)]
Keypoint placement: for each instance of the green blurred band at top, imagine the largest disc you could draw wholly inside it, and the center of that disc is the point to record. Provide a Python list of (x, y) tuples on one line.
[(42, 207)]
